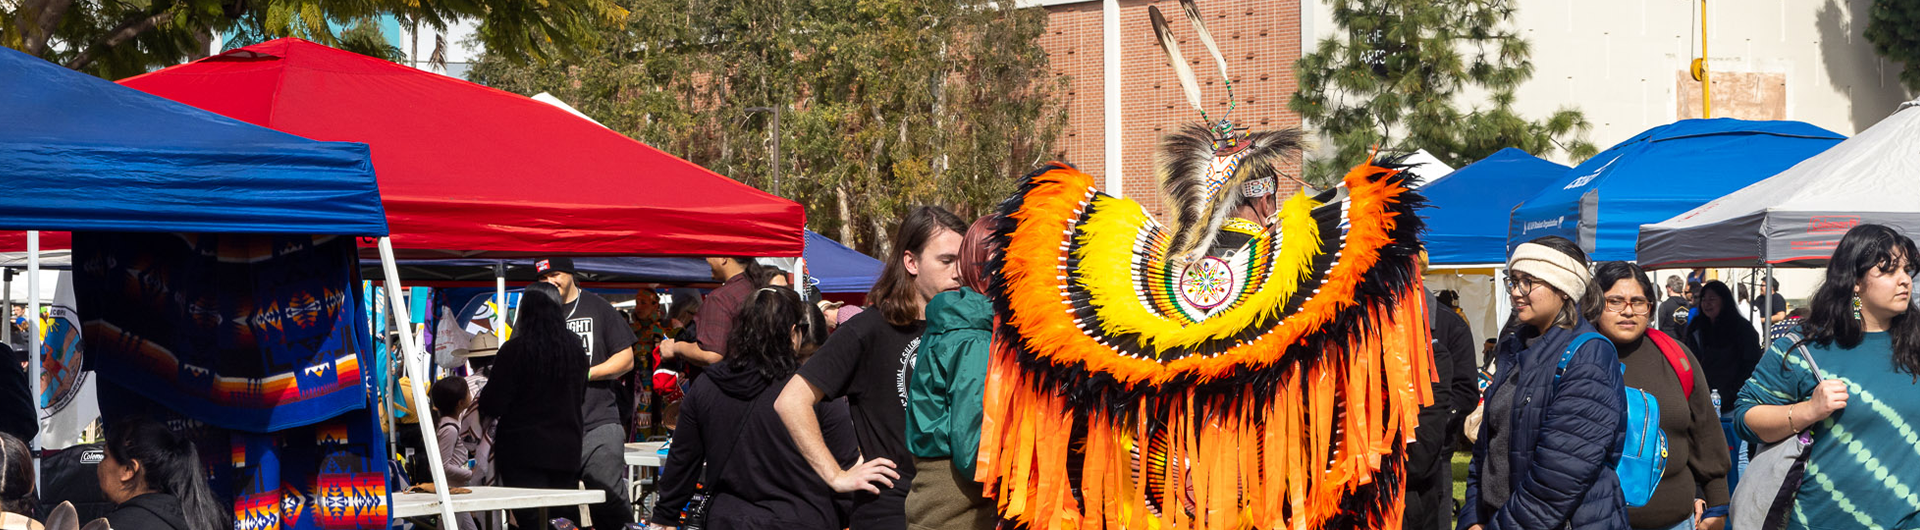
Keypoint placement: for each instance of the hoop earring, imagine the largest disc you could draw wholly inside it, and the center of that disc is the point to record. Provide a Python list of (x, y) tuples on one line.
[(1856, 306)]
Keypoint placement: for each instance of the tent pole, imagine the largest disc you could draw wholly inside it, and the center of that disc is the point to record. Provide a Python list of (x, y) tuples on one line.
[(33, 341), (1766, 314), (6, 284), (415, 365), (500, 301)]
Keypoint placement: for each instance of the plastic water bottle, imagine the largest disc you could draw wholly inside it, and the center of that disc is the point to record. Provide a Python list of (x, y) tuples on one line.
[(1716, 399)]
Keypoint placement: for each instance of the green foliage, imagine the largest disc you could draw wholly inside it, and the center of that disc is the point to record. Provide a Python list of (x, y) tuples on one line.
[(1395, 74), (1893, 27), (130, 37), (886, 104)]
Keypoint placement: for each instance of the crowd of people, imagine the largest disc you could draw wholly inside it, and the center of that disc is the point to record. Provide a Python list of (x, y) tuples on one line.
[(794, 414), (1549, 447)]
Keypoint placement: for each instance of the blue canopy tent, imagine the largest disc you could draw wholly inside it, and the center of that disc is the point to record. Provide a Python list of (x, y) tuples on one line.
[(109, 163), (1467, 229), (1467, 217), (1659, 174), (836, 268), (839, 269)]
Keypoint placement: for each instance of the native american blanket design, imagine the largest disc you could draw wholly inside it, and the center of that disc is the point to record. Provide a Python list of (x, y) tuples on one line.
[(248, 332)]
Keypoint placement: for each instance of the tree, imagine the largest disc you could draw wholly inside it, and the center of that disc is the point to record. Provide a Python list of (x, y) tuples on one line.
[(114, 39), (1393, 75), (1894, 29), (886, 104)]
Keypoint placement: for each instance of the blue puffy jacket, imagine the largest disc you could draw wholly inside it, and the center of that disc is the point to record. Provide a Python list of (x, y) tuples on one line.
[(1564, 441)]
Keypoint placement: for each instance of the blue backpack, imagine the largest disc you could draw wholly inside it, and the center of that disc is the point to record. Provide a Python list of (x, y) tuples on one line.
[(1644, 456)]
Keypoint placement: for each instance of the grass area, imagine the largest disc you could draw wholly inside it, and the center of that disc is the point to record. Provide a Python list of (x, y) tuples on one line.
[(1460, 461)]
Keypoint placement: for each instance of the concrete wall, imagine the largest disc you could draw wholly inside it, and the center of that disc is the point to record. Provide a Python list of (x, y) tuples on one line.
[(1624, 62)]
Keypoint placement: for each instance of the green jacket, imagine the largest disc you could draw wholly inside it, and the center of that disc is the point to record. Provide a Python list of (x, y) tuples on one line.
[(949, 378)]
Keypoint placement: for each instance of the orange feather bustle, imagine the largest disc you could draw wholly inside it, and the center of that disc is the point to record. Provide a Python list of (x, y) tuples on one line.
[(1331, 428)]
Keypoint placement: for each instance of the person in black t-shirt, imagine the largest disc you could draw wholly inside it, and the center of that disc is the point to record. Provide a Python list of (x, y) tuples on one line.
[(1671, 316), (869, 360), (609, 344)]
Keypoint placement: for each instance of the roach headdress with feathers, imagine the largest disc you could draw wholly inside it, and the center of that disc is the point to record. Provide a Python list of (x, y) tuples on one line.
[(1166, 377)]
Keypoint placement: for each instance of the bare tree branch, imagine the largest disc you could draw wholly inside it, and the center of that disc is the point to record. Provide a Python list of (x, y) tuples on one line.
[(46, 16), (126, 31)]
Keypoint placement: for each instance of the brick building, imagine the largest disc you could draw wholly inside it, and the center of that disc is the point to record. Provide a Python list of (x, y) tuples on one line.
[(1260, 39)]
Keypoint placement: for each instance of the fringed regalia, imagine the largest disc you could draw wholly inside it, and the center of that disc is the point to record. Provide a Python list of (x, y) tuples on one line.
[(1142, 380)]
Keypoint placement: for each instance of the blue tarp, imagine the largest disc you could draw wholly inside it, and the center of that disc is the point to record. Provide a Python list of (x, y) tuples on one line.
[(840, 269), (1467, 217), (80, 153), (1659, 174)]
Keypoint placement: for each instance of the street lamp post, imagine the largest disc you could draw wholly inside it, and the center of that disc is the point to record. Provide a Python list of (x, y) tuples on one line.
[(775, 111)]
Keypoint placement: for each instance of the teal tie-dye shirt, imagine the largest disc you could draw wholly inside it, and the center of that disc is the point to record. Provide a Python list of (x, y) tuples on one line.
[(1864, 470)]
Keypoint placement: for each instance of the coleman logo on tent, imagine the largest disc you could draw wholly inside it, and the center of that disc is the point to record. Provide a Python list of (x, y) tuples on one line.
[(92, 456), (541, 266)]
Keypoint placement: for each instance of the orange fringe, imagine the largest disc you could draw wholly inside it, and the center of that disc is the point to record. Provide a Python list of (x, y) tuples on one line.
[(1331, 428)]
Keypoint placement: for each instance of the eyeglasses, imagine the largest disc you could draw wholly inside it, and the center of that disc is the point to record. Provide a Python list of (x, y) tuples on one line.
[(1523, 284), (1620, 305)]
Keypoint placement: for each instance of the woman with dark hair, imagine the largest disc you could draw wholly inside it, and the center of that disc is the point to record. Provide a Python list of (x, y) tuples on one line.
[(154, 476), (1693, 487), (944, 399), (535, 393), (17, 504), (1726, 343), (730, 437), (1856, 393), (1549, 437), (450, 399)]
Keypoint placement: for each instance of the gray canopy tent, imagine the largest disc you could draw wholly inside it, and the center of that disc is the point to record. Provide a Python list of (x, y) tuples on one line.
[(1796, 218)]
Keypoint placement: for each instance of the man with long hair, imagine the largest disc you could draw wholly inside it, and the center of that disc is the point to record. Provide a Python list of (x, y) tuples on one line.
[(608, 341), (869, 360)]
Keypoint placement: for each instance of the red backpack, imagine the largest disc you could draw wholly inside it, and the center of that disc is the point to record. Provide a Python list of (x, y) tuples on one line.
[(1676, 357)]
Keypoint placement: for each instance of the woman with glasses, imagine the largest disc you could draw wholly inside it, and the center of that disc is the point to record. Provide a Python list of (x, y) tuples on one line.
[(1549, 438), (1693, 487), (1857, 397), (731, 441)]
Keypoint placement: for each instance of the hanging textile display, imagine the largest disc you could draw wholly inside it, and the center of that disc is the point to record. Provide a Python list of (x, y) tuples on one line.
[(68, 407), (248, 332), (1218, 371)]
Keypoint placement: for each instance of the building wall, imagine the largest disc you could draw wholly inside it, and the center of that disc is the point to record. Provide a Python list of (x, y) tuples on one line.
[(1625, 63), (1260, 39)]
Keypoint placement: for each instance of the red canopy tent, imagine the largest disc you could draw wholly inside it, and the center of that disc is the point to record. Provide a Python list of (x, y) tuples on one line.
[(466, 170)]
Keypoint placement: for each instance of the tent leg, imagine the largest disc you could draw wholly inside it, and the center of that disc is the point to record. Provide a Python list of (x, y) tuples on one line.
[(1766, 313), (6, 284), (415, 365), (33, 341), (499, 300)]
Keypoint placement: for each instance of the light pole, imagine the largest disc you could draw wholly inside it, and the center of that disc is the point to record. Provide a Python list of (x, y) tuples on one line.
[(775, 111)]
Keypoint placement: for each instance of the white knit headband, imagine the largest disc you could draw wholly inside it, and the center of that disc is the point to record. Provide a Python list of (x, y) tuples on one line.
[(1551, 266)]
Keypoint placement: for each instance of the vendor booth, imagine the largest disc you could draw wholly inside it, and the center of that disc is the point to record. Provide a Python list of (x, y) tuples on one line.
[(214, 272), (1466, 235), (1658, 174), (468, 171)]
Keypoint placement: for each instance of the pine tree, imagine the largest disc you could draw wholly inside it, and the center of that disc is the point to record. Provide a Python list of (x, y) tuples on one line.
[(1396, 73), (1894, 29)]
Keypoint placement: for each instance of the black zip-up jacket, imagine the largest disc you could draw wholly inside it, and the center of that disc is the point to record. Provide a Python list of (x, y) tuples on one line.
[(153, 511), (754, 471)]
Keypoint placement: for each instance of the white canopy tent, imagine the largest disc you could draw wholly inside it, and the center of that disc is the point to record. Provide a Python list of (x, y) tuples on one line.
[(1795, 218)]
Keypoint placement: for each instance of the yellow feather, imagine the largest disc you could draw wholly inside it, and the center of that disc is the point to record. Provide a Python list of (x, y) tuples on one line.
[(1105, 249)]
